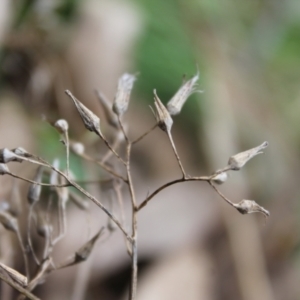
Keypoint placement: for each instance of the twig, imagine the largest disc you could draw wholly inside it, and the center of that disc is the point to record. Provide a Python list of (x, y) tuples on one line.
[(144, 135)]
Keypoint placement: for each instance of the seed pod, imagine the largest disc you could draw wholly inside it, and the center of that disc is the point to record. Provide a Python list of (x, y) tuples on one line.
[(125, 85), (106, 105), (84, 252), (90, 120), (4, 169), (34, 191), (250, 206), (21, 152), (174, 106), (237, 161), (61, 125), (8, 221), (77, 148), (162, 115), (6, 156)]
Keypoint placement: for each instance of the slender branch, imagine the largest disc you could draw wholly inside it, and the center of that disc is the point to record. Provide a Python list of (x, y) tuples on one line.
[(24, 252), (145, 134), (176, 154), (149, 197), (123, 130), (220, 194), (31, 207), (67, 152), (16, 286)]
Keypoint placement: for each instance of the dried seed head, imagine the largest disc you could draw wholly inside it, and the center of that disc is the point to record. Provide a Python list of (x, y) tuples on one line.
[(84, 252), (62, 126), (90, 120), (21, 152), (77, 148), (175, 104), (237, 161), (34, 191), (125, 85), (6, 156), (4, 169), (8, 221), (162, 115), (250, 206), (220, 178), (106, 105)]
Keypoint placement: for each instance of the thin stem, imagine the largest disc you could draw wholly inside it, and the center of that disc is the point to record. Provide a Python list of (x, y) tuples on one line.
[(176, 154), (134, 254), (24, 252), (145, 134), (220, 194), (110, 147), (31, 207), (16, 286), (67, 152), (123, 130), (149, 197)]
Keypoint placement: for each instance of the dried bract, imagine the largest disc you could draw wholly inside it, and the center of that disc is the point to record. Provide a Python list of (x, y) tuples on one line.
[(62, 126), (121, 101), (175, 105), (8, 221), (34, 191), (162, 115), (90, 120), (109, 115), (237, 161), (6, 156), (4, 169), (250, 206)]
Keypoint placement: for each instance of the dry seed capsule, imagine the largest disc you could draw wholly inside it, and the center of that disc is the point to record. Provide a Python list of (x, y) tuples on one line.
[(4, 169), (175, 105), (90, 120), (6, 156), (8, 221), (236, 162), (250, 206), (125, 85), (61, 125), (162, 115)]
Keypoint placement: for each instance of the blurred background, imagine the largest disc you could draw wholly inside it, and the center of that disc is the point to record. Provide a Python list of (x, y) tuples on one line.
[(192, 245)]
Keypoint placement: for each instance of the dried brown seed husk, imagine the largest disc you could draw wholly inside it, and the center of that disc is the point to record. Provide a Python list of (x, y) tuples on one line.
[(236, 162), (90, 120), (121, 101), (250, 206), (175, 105), (162, 115)]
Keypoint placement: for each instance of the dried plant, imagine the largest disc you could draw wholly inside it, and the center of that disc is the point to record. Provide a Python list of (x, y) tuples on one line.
[(59, 182)]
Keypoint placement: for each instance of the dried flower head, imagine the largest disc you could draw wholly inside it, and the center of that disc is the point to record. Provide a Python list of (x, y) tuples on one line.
[(4, 169), (106, 105), (8, 221), (90, 120), (175, 105), (250, 206), (121, 101), (61, 125), (237, 161), (162, 115), (34, 191), (6, 156)]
